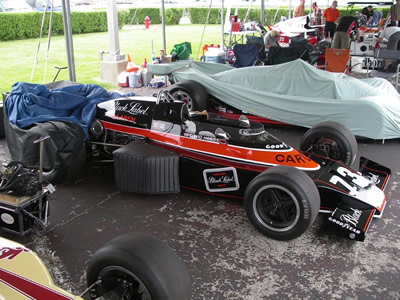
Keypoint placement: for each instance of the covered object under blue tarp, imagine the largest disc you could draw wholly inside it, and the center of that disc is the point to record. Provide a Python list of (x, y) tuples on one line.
[(63, 114), (299, 94), (34, 103)]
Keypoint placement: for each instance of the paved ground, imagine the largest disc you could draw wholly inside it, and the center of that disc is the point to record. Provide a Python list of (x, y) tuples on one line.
[(225, 256)]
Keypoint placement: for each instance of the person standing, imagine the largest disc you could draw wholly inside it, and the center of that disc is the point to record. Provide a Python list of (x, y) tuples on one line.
[(317, 14), (299, 10), (341, 40), (330, 16), (394, 14), (392, 36)]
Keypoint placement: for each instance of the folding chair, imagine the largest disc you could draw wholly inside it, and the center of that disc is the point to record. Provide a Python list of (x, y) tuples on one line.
[(279, 55), (260, 42), (336, 60), (385, 54), (246, 55)]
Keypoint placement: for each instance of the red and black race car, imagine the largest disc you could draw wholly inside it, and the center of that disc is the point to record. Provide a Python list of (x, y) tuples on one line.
[(164, 146)]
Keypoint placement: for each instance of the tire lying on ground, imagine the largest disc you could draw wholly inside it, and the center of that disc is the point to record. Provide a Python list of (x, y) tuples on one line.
[(192, 93), (64, 153), (282, 202), (142, 266), (330, 139), (66, 169)]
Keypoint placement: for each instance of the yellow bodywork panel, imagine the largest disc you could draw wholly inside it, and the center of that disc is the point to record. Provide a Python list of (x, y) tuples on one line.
[(23, 275)]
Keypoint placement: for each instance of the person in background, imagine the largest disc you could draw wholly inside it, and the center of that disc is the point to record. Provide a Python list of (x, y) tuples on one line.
[(317, 14), (368, 13), (330, 16), (391, 34), (299, 10), (271, 39), (394, 14), (341, 40), (376, 19)]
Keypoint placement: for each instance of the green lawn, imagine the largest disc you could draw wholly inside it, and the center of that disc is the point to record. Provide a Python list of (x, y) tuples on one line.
[(16, 57)]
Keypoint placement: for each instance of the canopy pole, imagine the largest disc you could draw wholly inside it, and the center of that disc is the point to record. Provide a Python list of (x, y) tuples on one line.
[(262, 12), (48, 41), (163, 25), (223, 25), (68, 39), (38, 47), (248, 12), (204, 29)]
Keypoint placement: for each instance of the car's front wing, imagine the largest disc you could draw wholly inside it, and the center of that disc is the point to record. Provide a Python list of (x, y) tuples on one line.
[(352, 198)]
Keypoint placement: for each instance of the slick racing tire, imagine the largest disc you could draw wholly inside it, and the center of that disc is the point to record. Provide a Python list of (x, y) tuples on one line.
[(63, 170), (192, 93), (282, 202), (138, 266), (332, 140)]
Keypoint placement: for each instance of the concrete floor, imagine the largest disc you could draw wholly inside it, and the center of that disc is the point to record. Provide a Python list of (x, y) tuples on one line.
[(225, 256)]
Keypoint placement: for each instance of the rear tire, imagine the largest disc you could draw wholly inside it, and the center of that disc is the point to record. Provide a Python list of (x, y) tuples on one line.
[(282, 202), (192, 93), (141, 266), (332, 140)]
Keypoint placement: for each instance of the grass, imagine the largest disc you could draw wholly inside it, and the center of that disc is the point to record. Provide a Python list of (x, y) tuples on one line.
[(16, 57)]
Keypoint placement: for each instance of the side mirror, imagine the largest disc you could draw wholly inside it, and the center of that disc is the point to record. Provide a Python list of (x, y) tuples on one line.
[(221, 134), (244, 121)]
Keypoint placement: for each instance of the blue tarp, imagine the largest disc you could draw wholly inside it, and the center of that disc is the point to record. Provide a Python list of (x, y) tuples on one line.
[(34, 103)]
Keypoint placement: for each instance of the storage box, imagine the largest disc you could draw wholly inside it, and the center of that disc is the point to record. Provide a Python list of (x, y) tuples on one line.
[(236, 27), (123, 80), (215, 59), (215, 55), (16, 212)]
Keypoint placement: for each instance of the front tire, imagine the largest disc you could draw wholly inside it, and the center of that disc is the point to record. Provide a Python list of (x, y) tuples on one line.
[(332, 140), (282, 202), (139, 266), (192, 93)]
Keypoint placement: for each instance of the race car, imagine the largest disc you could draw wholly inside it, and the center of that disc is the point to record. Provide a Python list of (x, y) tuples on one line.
[(293, 93), (366, 48), (131, 266), (162, 145)]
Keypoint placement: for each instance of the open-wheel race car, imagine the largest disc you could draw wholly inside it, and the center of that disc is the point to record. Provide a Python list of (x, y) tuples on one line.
[(131, 266), (165, 146)]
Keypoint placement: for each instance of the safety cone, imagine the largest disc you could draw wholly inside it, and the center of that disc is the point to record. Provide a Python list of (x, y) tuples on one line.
[(131, 67)]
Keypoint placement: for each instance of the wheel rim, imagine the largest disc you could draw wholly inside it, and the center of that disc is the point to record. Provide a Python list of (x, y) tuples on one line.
[(327, 147), (120, 280), (276, 208), (184, 97)]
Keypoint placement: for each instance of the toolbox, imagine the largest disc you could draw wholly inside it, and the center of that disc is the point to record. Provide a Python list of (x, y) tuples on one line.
[(18, 213)]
